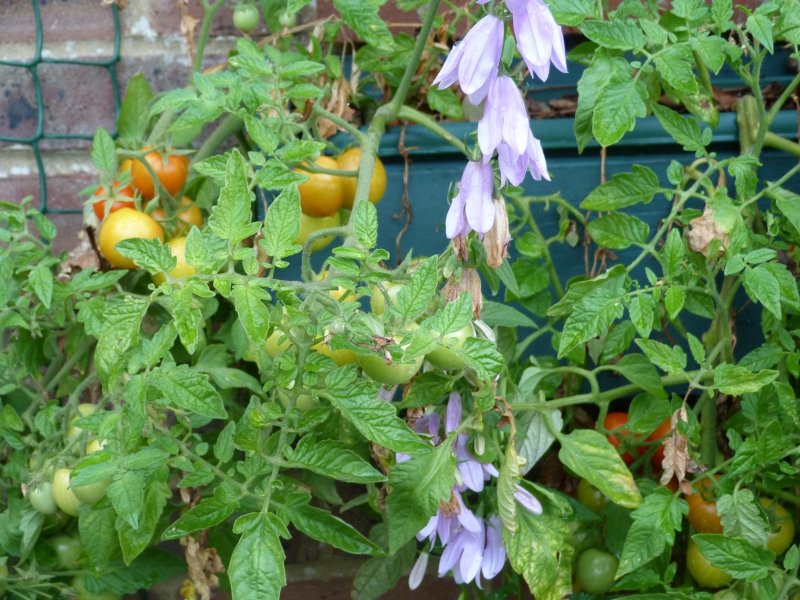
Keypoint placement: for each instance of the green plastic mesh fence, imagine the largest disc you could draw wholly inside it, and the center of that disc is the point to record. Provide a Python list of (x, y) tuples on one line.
[(40, 134)]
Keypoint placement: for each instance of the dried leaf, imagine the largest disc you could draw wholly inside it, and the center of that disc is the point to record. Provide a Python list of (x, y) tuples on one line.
[(704, 230), (188, 25), (203, 564), (468, 282)]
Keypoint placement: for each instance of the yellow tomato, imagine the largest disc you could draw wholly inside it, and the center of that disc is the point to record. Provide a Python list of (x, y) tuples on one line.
[(126, 224), (322, 194), (276, 343), (341, 357), (182, 269), (350, 161), (308, 225)]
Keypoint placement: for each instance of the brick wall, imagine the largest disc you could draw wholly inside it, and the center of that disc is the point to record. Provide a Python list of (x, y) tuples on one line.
[(77, 99)]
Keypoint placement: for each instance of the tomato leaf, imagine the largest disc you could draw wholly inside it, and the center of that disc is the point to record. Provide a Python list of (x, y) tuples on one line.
[(736, 556), (591, 456), (655, 522), (330, 459), (322, 526), (256, 568), (539, 550)]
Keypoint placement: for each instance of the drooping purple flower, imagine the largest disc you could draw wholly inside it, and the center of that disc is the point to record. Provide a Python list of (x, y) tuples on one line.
[(513, 166), (452, 415), (428, 423), (472, 471), (418, 571), (464, 554), (448, 520), (472, 208), (539, 38), (528, 500), (505, 119), (473, 62), (494, 555)]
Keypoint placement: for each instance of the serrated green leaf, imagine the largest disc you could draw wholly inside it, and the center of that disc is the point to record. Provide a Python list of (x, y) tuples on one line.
[(190, 390), (483, 357), (591, 456), (736, 380), (618, 34), (414, 298), (365, 225), (204, 515), (616, 111), (103, 152), (736, 556), (40, 280), (151, 255), (624, 189), (230, 216), (618, 231), (760, 27), (741, 517), (133, 114), (329, 458), (672, 360), (249, 300), (322, 526), (684, 130), (256, 568)]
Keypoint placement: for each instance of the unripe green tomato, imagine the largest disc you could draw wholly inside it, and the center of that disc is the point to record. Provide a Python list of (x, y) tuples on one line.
[(68, 551), (84, 410), (95, 446), (287, 19), (245, 17), (277, 343), (590, 496), (781, 524), (84, 594), (377, 300), (92, 492), (596, 570), (41, 498), (397, 373), (702, 571), (303, 402), (65, 498), (449, 354)]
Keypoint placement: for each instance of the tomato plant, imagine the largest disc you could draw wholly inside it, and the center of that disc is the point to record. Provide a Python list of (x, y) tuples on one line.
[(309, 225), (63, 494), (661, 432), (590, 496), (781, 524), (99, 205), (615, 422), (187, 215), (68, 551)]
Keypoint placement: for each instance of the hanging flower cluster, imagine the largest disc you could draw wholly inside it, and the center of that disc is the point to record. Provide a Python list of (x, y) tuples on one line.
[(474, 64), (471, 546)]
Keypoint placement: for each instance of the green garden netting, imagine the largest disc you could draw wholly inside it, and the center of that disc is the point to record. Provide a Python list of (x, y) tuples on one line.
[(40, 134)]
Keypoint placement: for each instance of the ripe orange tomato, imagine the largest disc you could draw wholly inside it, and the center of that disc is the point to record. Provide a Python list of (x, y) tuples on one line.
[(322, 195), (661, 432), (104, 198), (126, 224), (172, 175), (350, 160), (177, 247), (703, 508), (185, 217), (615, 421)]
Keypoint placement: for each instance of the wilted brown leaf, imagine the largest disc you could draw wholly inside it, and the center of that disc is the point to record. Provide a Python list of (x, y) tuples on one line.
[(704, 230), (203, 564), (188, 25), (468, 282)]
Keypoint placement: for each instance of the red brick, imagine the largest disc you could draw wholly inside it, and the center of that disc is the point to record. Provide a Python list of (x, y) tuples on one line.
[(77, 99), (17, 23), (75, 20), (17, 103)]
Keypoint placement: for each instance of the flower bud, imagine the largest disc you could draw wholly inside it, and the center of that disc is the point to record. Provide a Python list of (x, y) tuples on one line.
[(496, 240)]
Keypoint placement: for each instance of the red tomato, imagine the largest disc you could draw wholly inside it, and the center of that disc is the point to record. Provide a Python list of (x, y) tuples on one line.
[(658, 435), (703, 507), (615, 421)]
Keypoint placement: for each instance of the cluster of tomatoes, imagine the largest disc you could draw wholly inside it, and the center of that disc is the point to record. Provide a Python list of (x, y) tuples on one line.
[(596, 568), (121, 220), (324, 194), (51, 493)]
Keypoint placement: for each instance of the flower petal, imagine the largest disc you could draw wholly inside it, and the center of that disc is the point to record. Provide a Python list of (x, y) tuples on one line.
[(418, 571), (483, 45), (449, 73), (494, 555), (452, 418), (528, 500)]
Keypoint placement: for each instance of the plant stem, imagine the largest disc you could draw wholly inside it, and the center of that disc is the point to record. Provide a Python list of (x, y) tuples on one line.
[(228, 126), (406, 113), (318, 110), (609, 395), (209, 11), (772, 140), (305, 260)]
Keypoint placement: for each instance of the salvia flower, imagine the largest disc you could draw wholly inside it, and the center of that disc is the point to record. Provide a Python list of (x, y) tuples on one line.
[(505, 119), (539, 38), (473, 62), (472, 208)]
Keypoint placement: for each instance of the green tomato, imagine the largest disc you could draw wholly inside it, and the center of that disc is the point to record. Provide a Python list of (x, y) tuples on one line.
[(41, 498), (397, 373), (65, 498), (449, 353), (245, 17), (92, 492), (377, 301), (287, 19), (84, 594), (596, 570), (702, 571), (590, 496), (781, 532), (303, 403), (308, 225), (84, 410), (68, 551), (277, 343)]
